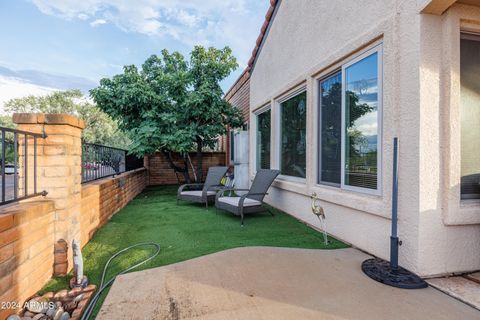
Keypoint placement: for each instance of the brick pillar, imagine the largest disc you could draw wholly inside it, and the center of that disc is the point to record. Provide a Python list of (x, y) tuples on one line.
[(58, 167)]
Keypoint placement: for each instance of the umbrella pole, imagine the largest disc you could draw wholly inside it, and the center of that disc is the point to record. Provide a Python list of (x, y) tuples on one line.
[(390, 273)]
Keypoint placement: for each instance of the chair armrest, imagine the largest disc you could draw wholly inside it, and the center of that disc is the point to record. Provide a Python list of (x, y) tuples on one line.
[(186, 186), (245, 196), (221, 191), (215, 187)]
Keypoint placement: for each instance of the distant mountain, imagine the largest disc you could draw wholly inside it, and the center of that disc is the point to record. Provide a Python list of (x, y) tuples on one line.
[(43, 79)]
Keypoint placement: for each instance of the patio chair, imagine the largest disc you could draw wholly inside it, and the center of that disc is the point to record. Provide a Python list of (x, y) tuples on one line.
[(251, 202), (203, 192)]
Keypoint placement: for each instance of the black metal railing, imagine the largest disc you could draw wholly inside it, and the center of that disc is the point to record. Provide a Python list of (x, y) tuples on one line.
[(19, 165), (100, 161)]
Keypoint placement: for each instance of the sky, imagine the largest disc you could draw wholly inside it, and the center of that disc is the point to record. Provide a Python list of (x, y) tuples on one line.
[(59, 44)]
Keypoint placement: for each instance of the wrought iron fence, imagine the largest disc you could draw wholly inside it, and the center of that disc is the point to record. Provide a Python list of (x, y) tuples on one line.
[(19, 165), (100, 161)]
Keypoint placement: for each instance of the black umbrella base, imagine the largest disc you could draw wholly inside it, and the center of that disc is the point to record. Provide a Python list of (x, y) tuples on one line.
[(380, 270)]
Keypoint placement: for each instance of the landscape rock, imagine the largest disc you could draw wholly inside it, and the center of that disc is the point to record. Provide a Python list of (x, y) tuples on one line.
[(48, 295), (60, 294), (38, 304)]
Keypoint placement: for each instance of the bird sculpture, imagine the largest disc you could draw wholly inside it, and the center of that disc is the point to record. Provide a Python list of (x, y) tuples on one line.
[(317, 210)]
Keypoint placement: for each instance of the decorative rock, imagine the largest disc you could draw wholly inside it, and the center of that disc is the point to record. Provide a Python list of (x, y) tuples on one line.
[(79, 297), (26, 318), (65, 316), (14, 317), (58, 314), (61, 294), (28, 314), (38, 316), (58, 304), (90, 287), (38, 304), (48, 295), (51, 310), (69, 307), (74, 292)]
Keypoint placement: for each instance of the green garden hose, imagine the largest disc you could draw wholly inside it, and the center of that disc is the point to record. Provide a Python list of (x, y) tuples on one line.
[(91, 305)]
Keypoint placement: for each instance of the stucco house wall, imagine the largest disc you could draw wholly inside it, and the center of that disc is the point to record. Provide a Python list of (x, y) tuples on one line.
[(308, 39)]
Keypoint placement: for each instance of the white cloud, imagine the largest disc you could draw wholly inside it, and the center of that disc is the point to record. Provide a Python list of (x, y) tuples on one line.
[(235, 23), (98, 22), (11, 88), (83, 16)]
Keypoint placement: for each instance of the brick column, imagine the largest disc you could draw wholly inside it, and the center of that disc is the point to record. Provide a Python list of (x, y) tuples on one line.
[(58, 167)]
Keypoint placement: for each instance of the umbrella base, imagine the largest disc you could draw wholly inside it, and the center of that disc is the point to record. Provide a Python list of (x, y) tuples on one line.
[(381, 271)]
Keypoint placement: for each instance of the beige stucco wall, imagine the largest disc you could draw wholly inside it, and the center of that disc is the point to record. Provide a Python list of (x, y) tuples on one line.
[(310, 38)]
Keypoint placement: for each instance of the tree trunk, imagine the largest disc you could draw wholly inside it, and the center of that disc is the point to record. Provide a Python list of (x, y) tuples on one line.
[(184, 170), (199, 159)]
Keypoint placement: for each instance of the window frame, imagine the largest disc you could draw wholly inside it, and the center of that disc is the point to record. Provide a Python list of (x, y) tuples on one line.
[(470, 36), (319, 129), (378, 49), (256, 113), (278, 132)]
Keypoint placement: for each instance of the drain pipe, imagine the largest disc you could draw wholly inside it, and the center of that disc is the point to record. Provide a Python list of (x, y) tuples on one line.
[(103, 285)]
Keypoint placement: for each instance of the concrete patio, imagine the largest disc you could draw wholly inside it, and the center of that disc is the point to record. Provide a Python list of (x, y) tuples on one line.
[(272, 283)]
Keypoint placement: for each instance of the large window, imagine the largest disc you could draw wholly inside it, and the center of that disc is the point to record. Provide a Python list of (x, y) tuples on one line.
[(361, 123), (349, 136), (263, 140), (330, 129), (293, 118), (470, 116)]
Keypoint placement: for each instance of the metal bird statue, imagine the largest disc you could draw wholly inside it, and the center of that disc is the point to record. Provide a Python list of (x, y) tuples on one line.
[(317, 210)]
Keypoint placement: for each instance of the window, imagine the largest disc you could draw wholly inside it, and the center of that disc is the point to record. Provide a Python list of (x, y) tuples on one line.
[(263, 140), (349, 117), (293, 117), (330, 129), (361, 123), (470, 116)]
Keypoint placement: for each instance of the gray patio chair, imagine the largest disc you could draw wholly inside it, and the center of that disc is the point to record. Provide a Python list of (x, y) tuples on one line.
[(251, 202), (203, 192)]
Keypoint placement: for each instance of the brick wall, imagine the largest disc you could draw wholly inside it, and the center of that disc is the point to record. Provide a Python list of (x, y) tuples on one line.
[(26, 250), (27, 238), (32, 233), (239, 95), (103, 198), (160, 172)]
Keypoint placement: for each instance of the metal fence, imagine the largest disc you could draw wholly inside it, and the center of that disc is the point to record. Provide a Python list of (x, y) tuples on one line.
[(18, 165), (100, 161)]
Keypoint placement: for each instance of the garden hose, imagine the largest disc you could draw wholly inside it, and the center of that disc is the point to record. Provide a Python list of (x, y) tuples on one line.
[(91, 305)]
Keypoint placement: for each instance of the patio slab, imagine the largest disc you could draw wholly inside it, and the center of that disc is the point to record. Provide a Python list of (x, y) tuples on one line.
[(272, 283), (459, 287)]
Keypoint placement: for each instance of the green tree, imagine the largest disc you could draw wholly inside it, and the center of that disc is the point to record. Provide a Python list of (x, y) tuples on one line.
[(99, 127), (172, 105)]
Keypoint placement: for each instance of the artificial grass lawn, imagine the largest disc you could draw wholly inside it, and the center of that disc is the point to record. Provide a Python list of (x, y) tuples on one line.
[(183, 232)]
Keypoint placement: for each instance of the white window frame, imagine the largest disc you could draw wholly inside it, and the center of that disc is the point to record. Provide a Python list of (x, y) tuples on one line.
[(319, 129), (278, 132), (378, 192), (256, 113)]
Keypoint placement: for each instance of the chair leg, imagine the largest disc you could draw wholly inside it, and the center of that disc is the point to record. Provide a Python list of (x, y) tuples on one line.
[(241, 217), (271, 213), (206, 204)]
